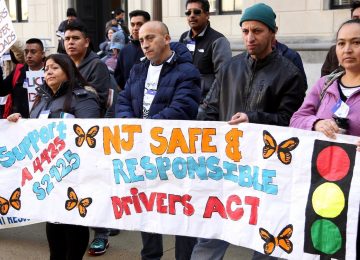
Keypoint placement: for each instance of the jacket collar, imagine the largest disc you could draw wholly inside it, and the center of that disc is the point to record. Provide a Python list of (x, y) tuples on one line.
[(189, 33), (45, 90), (257, 64)]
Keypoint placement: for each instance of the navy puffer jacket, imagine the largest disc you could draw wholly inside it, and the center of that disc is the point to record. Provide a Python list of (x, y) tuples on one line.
[(178, 92)]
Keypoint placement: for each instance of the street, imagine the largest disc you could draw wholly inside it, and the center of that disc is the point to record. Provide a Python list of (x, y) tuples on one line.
[(29, 242)]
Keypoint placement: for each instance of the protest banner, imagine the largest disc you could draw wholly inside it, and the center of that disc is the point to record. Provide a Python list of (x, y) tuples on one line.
[(7, 32), (281, 191), (34, 79)]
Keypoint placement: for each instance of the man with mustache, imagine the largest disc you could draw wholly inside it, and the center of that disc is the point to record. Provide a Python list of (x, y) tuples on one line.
[(257, 86), (209, 48)]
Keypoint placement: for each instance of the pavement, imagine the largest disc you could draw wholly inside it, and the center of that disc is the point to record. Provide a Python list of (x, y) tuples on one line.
[(29, 242)]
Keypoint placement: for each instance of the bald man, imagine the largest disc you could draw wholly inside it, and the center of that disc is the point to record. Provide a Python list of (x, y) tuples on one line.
[(165, 85)]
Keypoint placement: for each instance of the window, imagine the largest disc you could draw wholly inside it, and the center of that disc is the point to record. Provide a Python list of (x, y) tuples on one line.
[(18, 10), (339, 4), (226, 6)]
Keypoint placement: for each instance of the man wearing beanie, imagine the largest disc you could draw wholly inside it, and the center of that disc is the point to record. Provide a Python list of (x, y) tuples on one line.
[(257, 86)]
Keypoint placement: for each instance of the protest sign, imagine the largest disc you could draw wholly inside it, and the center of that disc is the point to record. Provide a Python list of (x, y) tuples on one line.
[(281, 191), (7, 32), (33, 80)]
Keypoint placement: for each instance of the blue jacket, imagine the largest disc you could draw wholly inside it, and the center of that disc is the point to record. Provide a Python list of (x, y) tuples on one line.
[(178, 92), (129, 55)]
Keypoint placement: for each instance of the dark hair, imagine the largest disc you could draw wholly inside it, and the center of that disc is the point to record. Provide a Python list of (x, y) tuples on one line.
[(142, 13), (77, 26), (36, 41), (75, 79), (119, 11), (71, 12), (351, 21), (354, 5), (204, 4)]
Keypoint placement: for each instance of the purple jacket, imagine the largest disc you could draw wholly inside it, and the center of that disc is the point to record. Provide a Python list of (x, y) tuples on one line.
[(309, 112)]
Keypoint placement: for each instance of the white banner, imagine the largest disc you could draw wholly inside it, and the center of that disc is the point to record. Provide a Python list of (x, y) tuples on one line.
[(281, 191), (7, 32)]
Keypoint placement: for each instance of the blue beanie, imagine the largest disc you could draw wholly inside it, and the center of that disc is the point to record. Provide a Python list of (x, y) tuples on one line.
[(262, 13)]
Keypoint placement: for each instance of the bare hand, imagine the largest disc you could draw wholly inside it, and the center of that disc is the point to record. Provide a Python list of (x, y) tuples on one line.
[(358, 145), (14, 117), (238, 118), (328, 127)]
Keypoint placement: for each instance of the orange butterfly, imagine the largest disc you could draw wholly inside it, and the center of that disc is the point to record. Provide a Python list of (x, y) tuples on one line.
[(282, 240), (73, 201), (89, 136), (283, 149), (14, 202)]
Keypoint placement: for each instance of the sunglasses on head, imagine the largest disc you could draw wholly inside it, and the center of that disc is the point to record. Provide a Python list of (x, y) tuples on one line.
[(195, 11)]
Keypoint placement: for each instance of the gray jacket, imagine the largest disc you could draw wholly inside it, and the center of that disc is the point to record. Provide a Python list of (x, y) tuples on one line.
[(84, 104), (96, 73)]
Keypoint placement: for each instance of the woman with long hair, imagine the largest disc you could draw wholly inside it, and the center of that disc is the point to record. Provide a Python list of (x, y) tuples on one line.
[(64, 94)]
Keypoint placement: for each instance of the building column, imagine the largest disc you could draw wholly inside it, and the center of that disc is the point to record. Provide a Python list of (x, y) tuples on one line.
[(157, 10)]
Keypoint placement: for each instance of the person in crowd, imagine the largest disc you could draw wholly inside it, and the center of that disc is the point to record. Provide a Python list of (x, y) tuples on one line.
[(210, 48), (257, 86), (132, 52), (333, 104), (16, 53), (14, 88), (169, 86), (94, 71), (105, 45), (77, 45), (291, 55), (331, 62), (119, 23), (65, 94), (116, 45), (71, 16)]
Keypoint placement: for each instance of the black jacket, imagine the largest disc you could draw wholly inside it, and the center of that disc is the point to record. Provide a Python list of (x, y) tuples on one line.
[(269, 91), (331, 62), (84, 103), (19, 94), (212, 50), (129, 55)]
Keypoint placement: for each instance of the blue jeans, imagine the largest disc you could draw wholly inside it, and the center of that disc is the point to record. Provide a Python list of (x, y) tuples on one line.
[(207, 249), (153, 246), (101, 232), (260, 256), (215, 249)]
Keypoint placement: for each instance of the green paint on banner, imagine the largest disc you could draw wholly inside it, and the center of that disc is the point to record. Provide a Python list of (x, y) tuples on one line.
[(325, 236)]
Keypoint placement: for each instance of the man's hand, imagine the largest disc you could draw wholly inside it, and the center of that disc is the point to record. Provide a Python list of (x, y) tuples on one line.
[(358, 145), (328, 127), (238, 118)]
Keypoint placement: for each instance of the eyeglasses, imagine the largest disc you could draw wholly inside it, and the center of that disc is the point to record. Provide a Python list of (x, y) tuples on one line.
[(195, 11)]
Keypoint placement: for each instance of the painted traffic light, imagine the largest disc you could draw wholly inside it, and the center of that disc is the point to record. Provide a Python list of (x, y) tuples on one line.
[(332, 167)]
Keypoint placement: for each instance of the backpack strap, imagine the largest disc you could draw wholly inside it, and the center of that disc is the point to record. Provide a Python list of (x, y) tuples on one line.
[(335, 75), (9, 101)]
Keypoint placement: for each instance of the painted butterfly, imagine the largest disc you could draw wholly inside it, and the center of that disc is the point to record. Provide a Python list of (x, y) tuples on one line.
[(283, 149), (282, 240), (73, 201), (89, 136), (14, 201)]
